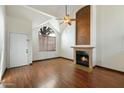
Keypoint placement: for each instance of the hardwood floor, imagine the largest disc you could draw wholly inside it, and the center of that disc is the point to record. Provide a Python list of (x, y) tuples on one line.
[(60, 73)]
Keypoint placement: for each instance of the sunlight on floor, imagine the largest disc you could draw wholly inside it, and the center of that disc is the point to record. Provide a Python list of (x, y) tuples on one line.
[(50, 82)]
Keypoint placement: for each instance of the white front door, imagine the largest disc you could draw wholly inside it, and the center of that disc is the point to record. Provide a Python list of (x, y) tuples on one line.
[(18, 49)]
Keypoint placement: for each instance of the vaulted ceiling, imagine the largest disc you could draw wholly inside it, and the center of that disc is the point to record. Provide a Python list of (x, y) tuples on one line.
[(25, 13), (58, 10), (39, 14)]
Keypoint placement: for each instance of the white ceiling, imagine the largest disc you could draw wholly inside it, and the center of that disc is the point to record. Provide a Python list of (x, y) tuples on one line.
[(58, 10), (25, 13), (38, 14)]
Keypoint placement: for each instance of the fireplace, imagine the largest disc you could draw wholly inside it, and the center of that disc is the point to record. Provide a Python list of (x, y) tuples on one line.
[(83, 55), (82, 58)]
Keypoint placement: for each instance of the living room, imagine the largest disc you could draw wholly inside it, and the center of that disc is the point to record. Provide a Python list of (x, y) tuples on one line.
[(32, 58)]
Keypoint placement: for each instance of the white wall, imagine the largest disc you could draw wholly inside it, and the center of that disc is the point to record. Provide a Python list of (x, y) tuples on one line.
[(2, 41), (93, 32), (67, 41), (18, 25), (38, 55), (110, 37)]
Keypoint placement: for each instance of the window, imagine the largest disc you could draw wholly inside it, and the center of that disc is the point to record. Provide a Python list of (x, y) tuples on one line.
[(47, 39)]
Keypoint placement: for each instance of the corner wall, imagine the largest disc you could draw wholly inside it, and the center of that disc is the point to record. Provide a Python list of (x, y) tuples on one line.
[(2, 41)]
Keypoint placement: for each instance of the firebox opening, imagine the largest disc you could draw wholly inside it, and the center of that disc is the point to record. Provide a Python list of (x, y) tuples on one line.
[(82, 58)]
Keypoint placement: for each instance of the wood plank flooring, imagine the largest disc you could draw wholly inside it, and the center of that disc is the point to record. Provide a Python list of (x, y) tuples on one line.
[(60, 73)]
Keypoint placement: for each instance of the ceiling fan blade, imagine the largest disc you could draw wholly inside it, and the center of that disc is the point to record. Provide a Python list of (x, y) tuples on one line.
[(60, 19), (73, 19), (61, 22), (69, 23)]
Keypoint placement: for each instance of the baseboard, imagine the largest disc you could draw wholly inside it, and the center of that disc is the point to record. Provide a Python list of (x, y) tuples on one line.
[(105, 68), (94, 66), (67, 58), (3, 75), (19, 66), (45, 59), (52, 58), (30, 64)]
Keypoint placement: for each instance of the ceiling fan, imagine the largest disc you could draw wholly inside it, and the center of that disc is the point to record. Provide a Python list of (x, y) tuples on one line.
[(67, 19)]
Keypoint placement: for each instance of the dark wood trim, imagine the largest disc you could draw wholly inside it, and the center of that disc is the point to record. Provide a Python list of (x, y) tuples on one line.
[(94, 67), (53, 58), (113, 70), (67, 58), (45, 59), (3, 75), (30, 64), (19, 66)]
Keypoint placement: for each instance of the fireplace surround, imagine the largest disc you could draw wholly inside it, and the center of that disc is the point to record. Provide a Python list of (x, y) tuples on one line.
[(84, 50), (83, 55)]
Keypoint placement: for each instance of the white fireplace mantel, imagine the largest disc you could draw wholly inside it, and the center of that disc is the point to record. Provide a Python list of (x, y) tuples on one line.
[(83, 46)]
